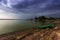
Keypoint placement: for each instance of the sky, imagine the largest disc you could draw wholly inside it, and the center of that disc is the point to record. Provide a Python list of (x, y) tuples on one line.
[(21, 9)]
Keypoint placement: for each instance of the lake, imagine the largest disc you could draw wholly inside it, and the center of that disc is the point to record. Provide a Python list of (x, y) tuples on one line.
[(7, 26)]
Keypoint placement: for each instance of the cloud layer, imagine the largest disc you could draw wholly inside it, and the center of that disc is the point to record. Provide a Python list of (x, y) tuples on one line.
[(32, 8)]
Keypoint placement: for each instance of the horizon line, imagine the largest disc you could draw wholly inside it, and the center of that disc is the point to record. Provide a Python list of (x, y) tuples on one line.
[(10, 19)]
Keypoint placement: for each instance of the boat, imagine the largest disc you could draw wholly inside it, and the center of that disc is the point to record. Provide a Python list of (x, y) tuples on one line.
[(46, 26)]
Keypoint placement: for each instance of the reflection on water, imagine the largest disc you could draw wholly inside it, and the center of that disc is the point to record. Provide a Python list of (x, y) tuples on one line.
[(7, 26)]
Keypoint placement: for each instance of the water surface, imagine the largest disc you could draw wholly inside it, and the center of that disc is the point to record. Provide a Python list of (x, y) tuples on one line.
[(7, 26)]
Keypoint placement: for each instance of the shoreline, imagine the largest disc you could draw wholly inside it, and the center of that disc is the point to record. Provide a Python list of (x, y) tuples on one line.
[(6, 34)]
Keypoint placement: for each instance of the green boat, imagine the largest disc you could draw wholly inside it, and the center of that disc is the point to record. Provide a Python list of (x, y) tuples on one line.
[(51, 26), (42, 27), (46, 26)]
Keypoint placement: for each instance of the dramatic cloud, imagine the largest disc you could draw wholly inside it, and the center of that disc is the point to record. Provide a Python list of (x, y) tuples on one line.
[(31, 8)]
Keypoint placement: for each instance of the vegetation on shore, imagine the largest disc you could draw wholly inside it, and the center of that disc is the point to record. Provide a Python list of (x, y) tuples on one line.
[(43, 19)]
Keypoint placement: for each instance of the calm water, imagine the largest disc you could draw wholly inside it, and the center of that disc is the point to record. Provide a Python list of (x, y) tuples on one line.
[(7, 26)]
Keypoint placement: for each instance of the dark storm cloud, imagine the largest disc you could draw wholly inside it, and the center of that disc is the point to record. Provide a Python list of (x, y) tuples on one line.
[(27, 5), (37, 6), (32, 7), (54, 6)]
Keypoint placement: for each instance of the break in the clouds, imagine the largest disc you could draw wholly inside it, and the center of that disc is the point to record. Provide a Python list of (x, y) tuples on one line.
[(7, 15), (30, 8)]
